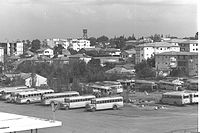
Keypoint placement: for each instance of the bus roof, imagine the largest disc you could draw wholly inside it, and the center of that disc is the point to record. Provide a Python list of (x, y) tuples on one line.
[(80, 97), (18, 90), (168, 82), (101, 86), (61, 93), (144, 81), (11, 88), (175, 93), (36, 91), (106, 98)]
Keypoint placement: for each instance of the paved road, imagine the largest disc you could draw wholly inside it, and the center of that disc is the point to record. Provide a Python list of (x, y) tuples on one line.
[(128, 120)]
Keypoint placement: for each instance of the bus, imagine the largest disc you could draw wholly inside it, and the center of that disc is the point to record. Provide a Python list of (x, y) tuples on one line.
[(106, 88), (145, 85), (11, 97), (32, 96), (47, 99), (76, 102), (105, 103), (193, 96), (166, 85), (11, 88), (175, 98)]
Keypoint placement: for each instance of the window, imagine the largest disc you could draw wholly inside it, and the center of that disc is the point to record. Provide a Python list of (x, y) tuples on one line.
[(160, 48), (185, 97), (196, 49)]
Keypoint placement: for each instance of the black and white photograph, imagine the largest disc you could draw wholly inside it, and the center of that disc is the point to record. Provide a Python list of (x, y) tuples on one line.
[(99, 66)]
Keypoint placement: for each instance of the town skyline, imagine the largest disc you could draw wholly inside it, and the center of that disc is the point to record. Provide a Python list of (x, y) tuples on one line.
[(30, 19)]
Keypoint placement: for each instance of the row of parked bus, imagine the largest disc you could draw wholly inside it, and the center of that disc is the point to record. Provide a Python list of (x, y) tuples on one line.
[(180, 97), (66, 100)]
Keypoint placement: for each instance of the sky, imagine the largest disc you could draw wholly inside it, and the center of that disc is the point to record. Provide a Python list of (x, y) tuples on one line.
[(31, 19)]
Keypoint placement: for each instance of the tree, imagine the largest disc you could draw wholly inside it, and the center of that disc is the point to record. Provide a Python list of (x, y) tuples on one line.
[(151, 61), (156, 38), (103, 39), (35, 45), (58, 49), (144, 70), (93, 41), (196, 36)]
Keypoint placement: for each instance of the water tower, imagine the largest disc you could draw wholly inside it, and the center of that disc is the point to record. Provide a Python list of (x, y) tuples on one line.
[(84, 33)]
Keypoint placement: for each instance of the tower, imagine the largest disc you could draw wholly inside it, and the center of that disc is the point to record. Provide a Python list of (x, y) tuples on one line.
[(84, 33)]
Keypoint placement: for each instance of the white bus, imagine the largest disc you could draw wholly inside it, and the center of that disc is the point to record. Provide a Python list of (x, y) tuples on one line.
[(76, 102), (105, 103), (175, 98), (32, 96), (193, 96), (10, 88), (47, 99), (7, 93), (11, 97)]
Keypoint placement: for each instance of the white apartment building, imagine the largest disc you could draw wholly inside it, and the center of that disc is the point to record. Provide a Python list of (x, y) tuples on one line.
[(147, 50), (54, 42), (2, 54), (78, 44), (16, 48)]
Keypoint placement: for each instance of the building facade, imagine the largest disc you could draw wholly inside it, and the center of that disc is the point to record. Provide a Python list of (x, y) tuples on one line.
[(147, 50), (78, 44), (189, 46), (187, 62)]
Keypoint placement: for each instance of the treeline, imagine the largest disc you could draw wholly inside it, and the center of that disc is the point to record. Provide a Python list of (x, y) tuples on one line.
[(74, 72)]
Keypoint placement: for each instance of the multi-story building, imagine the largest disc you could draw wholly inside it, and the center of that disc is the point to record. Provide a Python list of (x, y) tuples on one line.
[(187, 62), (54, 42), (147, 50), (78, 44), (13, 48), (2, 54), (189, 46)]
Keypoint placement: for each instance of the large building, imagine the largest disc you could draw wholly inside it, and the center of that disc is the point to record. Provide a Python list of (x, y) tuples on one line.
[(54, 42), (147, 50), (187, 62), (78, 44), (13, 48), (2, 54)]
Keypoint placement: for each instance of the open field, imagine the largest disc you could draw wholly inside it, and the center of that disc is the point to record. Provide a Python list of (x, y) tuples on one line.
[(131, 119)]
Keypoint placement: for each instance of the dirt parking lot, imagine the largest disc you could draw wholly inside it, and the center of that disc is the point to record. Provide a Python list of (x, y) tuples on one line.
[(130, 119)]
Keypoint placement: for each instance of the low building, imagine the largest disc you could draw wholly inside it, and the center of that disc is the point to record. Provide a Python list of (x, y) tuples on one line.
[(147, 50), (110, 59), (45, 52), (83, 57), (30, 78), (187, 62), (129, 55)]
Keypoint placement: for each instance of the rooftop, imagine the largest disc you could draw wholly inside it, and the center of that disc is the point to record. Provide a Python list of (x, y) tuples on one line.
[(157, 44), (190, 41), (177, 53)]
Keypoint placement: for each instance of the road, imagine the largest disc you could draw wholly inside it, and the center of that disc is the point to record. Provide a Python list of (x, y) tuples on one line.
[(130, 119)]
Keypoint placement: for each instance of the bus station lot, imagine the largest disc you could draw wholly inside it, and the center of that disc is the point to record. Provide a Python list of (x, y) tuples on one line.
[(130, 119)]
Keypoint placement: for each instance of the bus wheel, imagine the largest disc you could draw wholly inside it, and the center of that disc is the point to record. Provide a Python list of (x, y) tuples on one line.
[(28, 102), (67, 108), (115, 107), (93, 109), (175, 103)]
